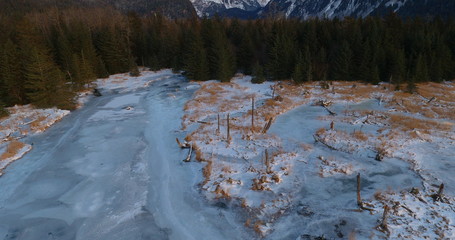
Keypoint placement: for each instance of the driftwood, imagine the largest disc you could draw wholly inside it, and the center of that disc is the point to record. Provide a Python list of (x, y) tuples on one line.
[(203, 122), (359, 198), (399, 104), (182, 145), (431, 99), (383, 226), (228, 130), (188, 158), (330, 111), (97, 92), (267, 126), (326, 104), (218, 129), (317, 139), (438, 196)]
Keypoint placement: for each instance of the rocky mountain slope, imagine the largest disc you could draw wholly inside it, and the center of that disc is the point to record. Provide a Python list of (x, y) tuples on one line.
[(304, 9), (169, 8), (212, 7)]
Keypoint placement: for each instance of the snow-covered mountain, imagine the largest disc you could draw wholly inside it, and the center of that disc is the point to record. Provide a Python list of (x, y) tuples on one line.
[(329, 8), (211, 7), (304, 9)]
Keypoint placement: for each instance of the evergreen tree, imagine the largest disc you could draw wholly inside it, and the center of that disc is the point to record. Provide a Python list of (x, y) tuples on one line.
[(342, 63), (245, 55), (3, 111), (411, 87), (46, 82), (398, 66), (258, 74), (88, 54), (302, 71), (421, 70), (12, 86), (282, 56), (196, 64), (374, 76), (113, 51), (220, 53)]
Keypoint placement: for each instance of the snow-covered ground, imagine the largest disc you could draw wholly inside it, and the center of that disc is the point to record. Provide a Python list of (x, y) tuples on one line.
[(22, 122), (113, 170), (307, 186)]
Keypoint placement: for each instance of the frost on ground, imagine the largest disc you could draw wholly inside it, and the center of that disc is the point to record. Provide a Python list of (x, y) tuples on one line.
[(261, 172), (123, 82), (23, 121), (28, 120)]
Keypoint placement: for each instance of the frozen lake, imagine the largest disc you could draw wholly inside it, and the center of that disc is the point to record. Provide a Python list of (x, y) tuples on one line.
[(112, 170)]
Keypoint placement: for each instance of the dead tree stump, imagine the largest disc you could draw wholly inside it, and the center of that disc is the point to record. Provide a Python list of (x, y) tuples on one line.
[(218, 129), (267, 162), (228, 130), (252, 115), (359, 198), (383, 226), (438, 196)]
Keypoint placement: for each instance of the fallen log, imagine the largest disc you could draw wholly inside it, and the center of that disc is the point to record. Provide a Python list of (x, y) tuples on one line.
[(188, 158), (267, 126), (182, 145), (438, 196), (316, 139), (330, 111), (431, 99)]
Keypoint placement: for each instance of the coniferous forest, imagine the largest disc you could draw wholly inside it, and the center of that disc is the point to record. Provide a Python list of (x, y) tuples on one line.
[(49, 55)]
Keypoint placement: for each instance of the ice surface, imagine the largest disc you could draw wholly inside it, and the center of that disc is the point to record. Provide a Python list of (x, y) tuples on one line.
[(107, 172), (112, 169)]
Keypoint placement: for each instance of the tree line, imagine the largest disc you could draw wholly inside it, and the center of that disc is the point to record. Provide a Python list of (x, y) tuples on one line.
[(47, 56)]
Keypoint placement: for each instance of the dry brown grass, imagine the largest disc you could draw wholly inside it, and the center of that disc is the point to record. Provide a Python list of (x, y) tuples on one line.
[(321, 131), (407, 123), (207, 171), (37, 125), (13, 148), (444, 92), (359, 135), (445, 112)]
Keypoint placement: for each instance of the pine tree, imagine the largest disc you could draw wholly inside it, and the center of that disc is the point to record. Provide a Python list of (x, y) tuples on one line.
[(114, 52), (11, 76), (258, 74), (282, 56), (374, 75), (3, 111), (196, 64), (342, 63), (302, 71), (221, 57), (421, 70), (46, 82), (245, 54), (398, 66), (411, 87)]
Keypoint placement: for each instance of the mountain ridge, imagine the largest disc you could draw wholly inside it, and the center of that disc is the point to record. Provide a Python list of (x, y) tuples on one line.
[(304, 9)]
